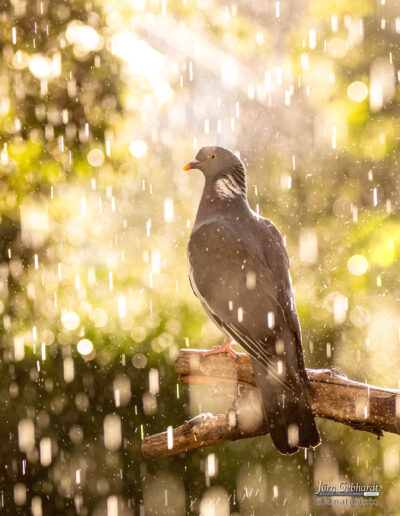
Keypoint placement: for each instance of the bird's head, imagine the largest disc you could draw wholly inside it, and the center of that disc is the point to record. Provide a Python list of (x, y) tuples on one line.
[(213, 160), (223, 168)]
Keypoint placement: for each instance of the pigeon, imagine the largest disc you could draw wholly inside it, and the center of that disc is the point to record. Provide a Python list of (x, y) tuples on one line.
[(239, 270)]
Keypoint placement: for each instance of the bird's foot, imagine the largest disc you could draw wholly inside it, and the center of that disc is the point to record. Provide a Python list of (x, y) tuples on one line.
[(226, 347)]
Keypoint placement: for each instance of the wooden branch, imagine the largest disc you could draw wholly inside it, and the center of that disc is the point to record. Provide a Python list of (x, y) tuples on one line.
[(332, 396)]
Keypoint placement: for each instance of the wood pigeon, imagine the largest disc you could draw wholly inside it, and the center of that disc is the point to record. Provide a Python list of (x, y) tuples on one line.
[(239, 270)]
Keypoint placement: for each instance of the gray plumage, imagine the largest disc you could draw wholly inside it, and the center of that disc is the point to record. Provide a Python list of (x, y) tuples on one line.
[(239, 269)]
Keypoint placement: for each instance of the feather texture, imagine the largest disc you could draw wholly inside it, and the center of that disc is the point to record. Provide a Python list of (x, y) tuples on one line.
[(239, 270)]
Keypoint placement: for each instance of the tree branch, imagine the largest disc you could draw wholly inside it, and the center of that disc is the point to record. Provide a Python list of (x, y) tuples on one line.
[(332, 396)]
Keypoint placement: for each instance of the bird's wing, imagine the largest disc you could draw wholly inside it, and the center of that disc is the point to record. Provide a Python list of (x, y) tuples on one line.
[(238, 288), (275, 254)]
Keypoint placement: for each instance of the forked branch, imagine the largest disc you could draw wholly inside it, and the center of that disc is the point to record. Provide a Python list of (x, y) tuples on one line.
[(332, 396)]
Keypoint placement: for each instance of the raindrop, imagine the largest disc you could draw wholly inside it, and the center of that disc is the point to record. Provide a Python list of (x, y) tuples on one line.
[(312, 38), (211, 465), (36, 506), (168, 209), (250, 281), (304, 62), (19, 348), (170, 438), (293, 435), (112, 506), (155, 261), (69, 370), (154, 381), (26, 435), (19, 493), (121, 306), (340, 304), (149, 404), (328, 350), (232, 418), (112, 432), (122, 390), (45, 451)]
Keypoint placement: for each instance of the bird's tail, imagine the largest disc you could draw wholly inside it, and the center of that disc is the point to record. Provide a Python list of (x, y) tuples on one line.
[(290, 420)]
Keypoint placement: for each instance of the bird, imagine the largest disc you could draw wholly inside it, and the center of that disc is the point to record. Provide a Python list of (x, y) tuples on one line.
[(239, 270)]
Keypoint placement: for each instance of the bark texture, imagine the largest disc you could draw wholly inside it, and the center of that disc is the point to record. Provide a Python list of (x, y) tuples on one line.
[(332, 396)]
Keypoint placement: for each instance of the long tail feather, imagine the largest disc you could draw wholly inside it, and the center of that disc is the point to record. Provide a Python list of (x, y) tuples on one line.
[(289, 416)]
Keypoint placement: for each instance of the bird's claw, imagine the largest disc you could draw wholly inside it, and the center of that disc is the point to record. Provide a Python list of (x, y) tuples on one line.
[(226, 347)]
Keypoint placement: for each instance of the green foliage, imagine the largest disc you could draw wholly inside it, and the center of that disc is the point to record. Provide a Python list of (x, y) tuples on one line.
[(89, 254)]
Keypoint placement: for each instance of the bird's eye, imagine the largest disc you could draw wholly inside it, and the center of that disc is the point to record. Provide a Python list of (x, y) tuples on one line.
[(212, 156)]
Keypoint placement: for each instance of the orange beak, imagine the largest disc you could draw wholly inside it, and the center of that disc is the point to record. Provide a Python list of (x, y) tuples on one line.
[(191, 164)]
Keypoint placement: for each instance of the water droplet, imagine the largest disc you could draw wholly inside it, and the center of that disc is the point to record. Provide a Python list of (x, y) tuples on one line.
[(112, 432), (26, 435)]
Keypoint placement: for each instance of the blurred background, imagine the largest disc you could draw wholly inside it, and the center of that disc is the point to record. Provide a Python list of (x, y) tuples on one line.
[(101, 103)]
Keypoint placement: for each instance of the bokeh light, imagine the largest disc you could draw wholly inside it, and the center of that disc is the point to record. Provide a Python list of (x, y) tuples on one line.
[(85, 37), (357, 91), (96, 157), (101, 103), (138, 148), (85, 347), (41, 66), (70, 320), (357, 264)]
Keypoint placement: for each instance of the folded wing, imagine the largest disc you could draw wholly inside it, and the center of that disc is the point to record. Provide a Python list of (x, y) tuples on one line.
[(247, 292)]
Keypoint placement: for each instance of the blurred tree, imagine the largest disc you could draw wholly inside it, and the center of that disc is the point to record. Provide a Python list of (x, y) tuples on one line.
[(99, 106), (59, 94)]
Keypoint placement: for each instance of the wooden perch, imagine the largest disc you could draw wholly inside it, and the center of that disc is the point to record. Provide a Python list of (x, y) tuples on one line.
[(333, 396)]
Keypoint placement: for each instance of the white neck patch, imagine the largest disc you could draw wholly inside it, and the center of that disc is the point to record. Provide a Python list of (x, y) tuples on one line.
[(227, 188)]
